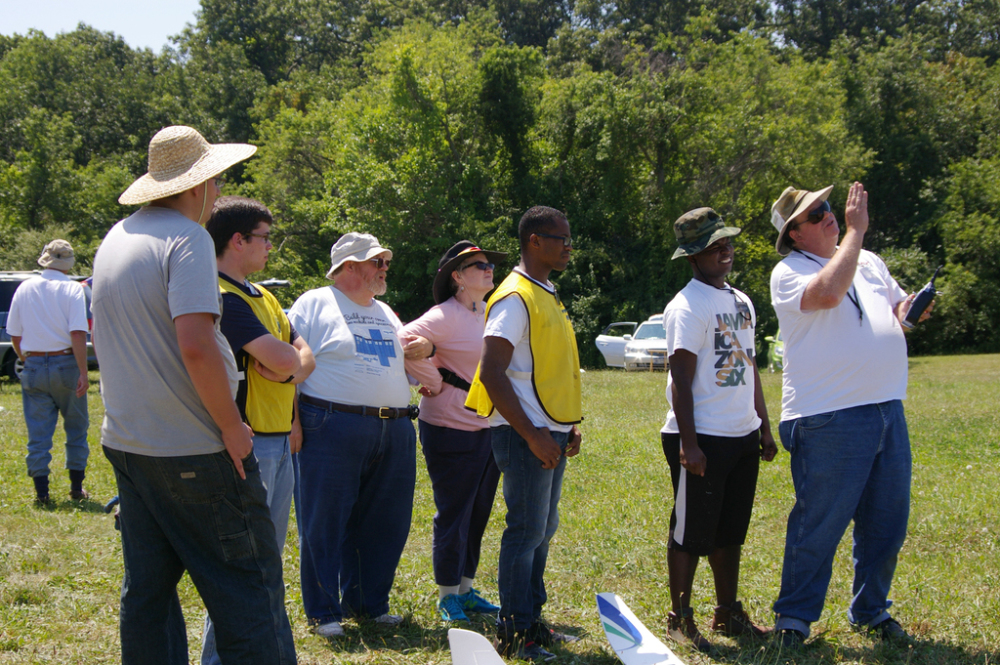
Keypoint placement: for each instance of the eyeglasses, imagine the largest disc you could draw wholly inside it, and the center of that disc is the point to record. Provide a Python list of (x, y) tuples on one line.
[(219, 181), (381, 263), (266, 237), (567, 241), (482, 265), (817, 215)]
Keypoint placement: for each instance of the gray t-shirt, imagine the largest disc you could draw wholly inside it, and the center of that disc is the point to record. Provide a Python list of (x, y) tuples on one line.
[(151, 268)]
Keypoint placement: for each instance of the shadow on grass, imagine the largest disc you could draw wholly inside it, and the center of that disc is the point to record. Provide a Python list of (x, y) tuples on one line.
[(67, 505), (820, 650)]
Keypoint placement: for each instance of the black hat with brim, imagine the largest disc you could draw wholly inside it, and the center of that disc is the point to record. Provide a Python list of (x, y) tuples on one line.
[(451, 260)]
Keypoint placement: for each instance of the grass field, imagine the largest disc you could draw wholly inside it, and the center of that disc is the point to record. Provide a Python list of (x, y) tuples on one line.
[(60, 568)]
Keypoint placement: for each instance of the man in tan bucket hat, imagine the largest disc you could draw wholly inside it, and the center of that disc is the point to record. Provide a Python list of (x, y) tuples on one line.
[(48, 328), (190, 487), (842, 418)]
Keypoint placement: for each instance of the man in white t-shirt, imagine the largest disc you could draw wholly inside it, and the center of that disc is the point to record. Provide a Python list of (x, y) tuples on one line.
[(192, 499), (717, 429), (47, 325), (357, 467), (530, 373), (842, 419)]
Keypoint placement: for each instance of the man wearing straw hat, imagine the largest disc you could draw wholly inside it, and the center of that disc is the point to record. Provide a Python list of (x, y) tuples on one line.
[(191, 493), (842, 416), (47, 324)]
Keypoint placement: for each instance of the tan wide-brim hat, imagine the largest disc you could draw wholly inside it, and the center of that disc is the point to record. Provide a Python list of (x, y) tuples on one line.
[(57, 255), (179, 159), (792, 203)]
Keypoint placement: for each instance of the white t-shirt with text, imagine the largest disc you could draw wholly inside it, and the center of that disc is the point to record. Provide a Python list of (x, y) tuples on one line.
[(718, 326), (359, 360)]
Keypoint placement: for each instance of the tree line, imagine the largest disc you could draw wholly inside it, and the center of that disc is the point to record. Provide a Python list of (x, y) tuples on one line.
[(428, 121)]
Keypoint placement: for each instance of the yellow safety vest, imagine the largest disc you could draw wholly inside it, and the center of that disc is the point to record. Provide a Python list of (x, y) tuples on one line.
[(555, 374), (265, 405)]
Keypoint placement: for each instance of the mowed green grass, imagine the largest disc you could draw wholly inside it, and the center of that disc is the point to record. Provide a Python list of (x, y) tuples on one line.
[(60, 568)]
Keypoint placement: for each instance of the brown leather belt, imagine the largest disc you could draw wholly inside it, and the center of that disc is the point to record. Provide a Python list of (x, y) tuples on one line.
[(47, 354), (374, 411)]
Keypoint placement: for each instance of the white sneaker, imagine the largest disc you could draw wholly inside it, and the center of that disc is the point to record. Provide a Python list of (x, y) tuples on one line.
[(329, 630), (389, 619)]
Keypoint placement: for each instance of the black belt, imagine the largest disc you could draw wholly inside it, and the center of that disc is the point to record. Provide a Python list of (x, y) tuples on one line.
[(410, 411), (453, 379)]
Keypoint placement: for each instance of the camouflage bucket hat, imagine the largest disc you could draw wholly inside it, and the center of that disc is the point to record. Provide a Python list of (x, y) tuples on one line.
[(697, 229)]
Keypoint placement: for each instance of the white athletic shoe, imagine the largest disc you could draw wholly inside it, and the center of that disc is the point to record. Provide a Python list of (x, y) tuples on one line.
[(389, 619), (330, 630)]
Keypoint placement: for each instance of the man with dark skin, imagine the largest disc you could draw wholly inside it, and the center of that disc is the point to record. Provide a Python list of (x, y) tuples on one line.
[(717, 429), (528, 384)]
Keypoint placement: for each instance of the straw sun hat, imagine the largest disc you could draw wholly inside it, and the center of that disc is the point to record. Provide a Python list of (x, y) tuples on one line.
[(179, 159)]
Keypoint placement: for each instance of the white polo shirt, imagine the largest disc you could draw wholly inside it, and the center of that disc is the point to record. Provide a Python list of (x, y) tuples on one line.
[(44, 311)]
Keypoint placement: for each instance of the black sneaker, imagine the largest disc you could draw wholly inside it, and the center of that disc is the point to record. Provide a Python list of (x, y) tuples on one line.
[(541, 634), (521, 648), (789, 638), (534, 652), (890, 631)]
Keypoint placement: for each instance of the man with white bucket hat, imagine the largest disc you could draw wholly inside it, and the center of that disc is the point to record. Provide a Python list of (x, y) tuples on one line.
[(191, 493), (842, 419), (357, 467)]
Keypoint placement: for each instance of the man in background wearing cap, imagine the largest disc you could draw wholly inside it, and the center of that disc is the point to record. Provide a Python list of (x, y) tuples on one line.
[(717, 428), (357, 466), (842, 419), (190, 486), (47, 324), (530, 373), (270, 356)]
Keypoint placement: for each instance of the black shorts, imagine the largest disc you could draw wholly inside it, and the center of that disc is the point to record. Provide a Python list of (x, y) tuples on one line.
[(713, 510)]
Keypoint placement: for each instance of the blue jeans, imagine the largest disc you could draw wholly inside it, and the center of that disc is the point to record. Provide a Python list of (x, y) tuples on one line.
[(275, 460), (48, 388), (532, 497), (195, 514), (852, 464), (354, 502)]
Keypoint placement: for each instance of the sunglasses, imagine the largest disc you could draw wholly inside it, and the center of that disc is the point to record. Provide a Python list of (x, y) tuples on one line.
[(482, 265), (817, 215), (567, 241), (381, 263), (266, 237)]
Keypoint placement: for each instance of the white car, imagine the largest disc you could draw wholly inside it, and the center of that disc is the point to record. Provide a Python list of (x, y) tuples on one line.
[(612, 341), (648, 347)]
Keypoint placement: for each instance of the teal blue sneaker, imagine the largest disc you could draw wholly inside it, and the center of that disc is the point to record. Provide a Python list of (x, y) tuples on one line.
[(451, 608), (473, 602)]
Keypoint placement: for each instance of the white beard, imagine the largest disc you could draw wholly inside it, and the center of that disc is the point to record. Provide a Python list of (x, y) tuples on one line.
[(376, 286)]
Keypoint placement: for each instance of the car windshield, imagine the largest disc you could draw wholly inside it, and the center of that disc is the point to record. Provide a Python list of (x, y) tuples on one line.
[(649, 330)]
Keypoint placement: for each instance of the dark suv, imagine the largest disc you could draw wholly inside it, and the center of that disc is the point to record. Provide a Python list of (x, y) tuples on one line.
[(9, 281)]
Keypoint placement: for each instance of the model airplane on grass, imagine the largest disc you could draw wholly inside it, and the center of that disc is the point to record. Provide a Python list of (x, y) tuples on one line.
[(631, 640), (470, 648)]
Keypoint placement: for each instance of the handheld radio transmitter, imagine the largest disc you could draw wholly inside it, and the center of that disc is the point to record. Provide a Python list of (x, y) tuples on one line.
[(920, 303)]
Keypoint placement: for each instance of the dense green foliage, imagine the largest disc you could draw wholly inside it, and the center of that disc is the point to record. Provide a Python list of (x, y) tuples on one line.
[(427, 121)]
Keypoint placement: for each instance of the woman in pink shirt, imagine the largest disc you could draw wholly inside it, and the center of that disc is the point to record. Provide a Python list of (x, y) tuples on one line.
[(455, 441)]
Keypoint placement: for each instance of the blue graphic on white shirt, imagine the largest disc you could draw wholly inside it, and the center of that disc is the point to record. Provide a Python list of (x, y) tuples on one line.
[(384, 349)]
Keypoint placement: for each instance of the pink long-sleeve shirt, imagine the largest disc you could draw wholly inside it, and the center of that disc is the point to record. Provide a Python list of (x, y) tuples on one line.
[(457, 333)]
